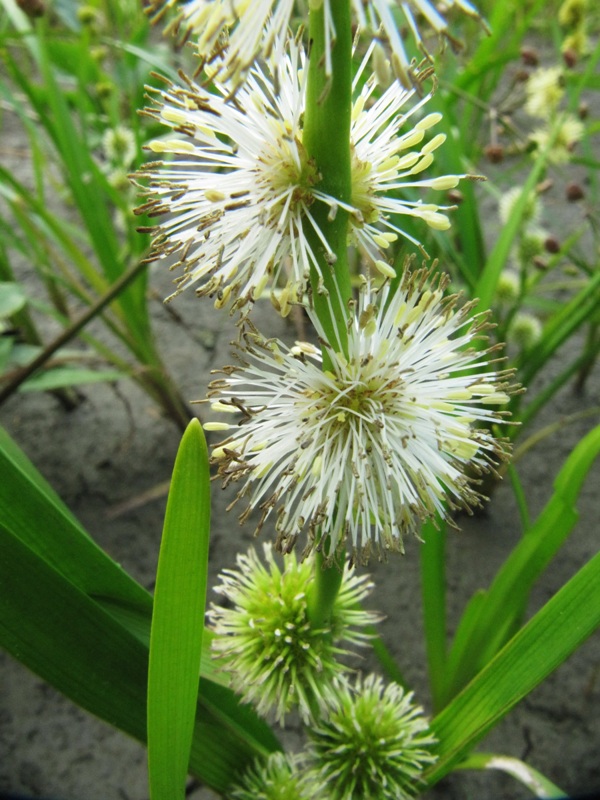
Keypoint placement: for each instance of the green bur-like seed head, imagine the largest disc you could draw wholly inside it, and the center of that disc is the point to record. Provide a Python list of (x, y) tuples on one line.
[(372, 744), (276, 778), (275, 659)]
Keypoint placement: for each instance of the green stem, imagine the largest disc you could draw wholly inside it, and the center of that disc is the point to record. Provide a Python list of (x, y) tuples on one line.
[(326, 137), (324, 590)]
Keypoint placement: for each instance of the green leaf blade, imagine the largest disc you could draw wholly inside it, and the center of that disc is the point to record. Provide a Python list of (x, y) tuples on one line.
[(178, 619), (547, 640)]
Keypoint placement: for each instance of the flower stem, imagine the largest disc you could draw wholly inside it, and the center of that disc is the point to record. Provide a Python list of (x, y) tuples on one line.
[(326, 138), (324, 590)]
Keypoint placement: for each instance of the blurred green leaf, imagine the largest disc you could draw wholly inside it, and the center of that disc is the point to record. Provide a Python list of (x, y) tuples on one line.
[(12, 299), (59, 377)]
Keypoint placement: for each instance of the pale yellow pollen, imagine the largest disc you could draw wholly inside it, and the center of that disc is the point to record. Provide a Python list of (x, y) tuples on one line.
[(429, 121), (223, 297), (171, 146), (462, 449), (214, 196), (445, 182), (438, 222), (440, 405), (482, 388), (407, 161), (410, 139), (399, 318), (390, 163), (423, 164), (460, 394), (224, 408), (216, 426), (381, 241), (434, 143), (260, 287), (358, 108), (385, 269), (496, 399), (261, 471), (174, 115), (371, 327)]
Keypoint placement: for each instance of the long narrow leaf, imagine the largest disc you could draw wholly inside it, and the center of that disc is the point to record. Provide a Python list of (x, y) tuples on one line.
[(537, 783), (178, 619), (493, 615), (72, 642), (540, 647)]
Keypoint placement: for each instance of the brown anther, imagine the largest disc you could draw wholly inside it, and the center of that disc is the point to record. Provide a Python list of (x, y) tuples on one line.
[(494, 153), (455, 197), (521, 76), (583, 110), (540, 263), (529, 56), (570, 57), (552, 244)]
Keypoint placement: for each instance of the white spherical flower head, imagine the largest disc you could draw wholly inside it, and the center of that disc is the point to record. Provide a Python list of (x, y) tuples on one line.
[(378, 442), (389, 158), (232, 33), (253, 28), (239, 189), (240, 186)]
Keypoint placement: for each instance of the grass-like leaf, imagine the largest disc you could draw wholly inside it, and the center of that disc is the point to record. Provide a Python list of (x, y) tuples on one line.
[(178, 619), (76, 619), (492, 616), (532, 654)]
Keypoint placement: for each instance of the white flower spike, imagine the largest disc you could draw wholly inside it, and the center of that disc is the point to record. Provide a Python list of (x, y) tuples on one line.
[(253, 28), (376, 444), (239, 190)]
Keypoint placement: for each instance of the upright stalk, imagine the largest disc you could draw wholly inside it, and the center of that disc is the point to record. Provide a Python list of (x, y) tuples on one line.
[(326, 137)]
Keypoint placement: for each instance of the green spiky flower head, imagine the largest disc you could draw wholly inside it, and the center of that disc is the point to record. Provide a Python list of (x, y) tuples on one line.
[(372, 744), (276, 778), (275, 659)]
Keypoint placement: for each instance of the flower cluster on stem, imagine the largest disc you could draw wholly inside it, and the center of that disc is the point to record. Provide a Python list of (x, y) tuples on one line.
[(279, 168)]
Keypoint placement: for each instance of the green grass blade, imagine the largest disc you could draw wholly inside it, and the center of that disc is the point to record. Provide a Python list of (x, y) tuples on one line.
[(561, 326), (60, 541), (73, 643), (499, 257), (525, 774), (540, 647), (60, 633), (499, 610), (178, 619)]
